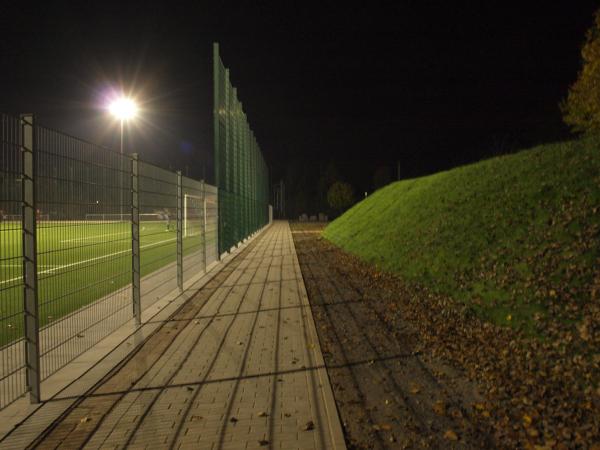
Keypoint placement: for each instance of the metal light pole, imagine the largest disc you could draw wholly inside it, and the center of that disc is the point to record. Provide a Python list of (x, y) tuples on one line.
[(121, 176), (123, 109)]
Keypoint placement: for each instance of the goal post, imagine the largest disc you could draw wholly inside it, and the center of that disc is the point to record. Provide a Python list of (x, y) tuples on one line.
[(193, 214)]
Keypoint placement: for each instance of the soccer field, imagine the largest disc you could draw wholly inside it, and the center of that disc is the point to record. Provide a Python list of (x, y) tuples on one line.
[(78, 263)]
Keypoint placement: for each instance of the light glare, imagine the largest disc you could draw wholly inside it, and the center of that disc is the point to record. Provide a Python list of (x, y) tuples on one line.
[(123, 108)]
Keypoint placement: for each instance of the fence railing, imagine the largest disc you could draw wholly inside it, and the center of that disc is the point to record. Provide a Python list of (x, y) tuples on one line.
[(89, 238)]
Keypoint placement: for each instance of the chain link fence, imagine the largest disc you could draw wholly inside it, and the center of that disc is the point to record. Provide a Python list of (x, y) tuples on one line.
[(88, 239)]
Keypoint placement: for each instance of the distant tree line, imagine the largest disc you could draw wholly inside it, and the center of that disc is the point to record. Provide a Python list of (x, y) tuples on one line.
[(328, 187)]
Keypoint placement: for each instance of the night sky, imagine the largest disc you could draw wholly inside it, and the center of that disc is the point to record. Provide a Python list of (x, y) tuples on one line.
[(431, 85)]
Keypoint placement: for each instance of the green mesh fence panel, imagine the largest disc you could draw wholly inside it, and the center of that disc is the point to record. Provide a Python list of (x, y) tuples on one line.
[(240, 169)]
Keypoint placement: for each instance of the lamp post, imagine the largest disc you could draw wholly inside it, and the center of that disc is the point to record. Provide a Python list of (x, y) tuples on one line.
[(123, 108)]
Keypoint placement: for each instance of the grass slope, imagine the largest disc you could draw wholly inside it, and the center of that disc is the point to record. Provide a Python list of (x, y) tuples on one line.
[(510, 236)]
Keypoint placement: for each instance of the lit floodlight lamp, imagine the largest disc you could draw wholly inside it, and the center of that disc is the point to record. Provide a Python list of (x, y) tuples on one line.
[(123, 108)]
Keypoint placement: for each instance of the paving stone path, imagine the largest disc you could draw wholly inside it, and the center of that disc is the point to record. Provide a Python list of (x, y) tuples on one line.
[(238, 366)]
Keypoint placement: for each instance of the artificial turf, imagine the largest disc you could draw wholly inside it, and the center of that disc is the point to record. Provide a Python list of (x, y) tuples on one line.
[(79, 262)]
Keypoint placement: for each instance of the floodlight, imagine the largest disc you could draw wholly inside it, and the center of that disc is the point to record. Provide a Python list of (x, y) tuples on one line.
[(123, 108)]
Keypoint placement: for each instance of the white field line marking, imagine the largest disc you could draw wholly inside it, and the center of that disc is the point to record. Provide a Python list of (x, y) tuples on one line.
[(39, 265), (95, 236), (88, 260)]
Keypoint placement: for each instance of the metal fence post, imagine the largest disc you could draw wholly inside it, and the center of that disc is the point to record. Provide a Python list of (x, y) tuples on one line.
[(218, 98), (203, 190), (30, 284), (135, 240), (179, 233)]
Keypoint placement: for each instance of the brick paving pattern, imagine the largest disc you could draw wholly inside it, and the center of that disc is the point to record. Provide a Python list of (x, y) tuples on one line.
[(239, 366)]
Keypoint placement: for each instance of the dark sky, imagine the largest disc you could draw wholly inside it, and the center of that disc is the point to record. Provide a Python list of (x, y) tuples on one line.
[(429, 84)]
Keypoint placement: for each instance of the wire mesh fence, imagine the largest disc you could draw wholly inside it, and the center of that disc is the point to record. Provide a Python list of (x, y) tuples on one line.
[(77, 222), (158, 230), (240, 169), (12, 370), (211, 232), (83, 261), (193, 236), (200, 227)]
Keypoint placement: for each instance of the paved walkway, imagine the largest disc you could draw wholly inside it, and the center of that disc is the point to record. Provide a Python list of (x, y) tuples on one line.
[(237, 366)]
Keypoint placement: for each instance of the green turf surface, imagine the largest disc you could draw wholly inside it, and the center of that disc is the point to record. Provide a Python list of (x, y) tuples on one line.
[(78, 263), (509, 236)]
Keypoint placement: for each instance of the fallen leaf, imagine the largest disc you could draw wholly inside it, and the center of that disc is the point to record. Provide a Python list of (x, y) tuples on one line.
[(584, 331), (308, 426), (450, 435), (415, 389), (439, 408)]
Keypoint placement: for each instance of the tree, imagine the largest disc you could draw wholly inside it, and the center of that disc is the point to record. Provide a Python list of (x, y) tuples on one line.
[(328, 174), (340, 196), (581, 109)]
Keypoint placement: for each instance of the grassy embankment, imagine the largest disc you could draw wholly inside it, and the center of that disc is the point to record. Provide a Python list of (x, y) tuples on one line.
[(516, 238)]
